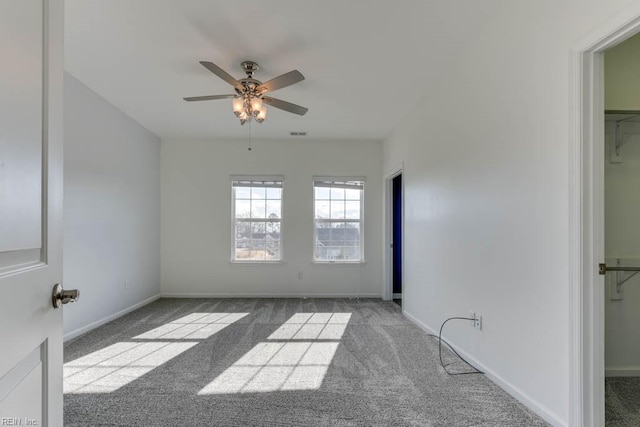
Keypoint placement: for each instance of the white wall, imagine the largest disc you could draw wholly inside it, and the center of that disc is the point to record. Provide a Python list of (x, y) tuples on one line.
[(111, 209), (486, 196), (196, 217), (622, 240)]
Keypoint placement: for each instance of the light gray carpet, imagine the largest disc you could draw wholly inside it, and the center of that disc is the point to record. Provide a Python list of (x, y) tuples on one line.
[(383, 370), (622, 401)]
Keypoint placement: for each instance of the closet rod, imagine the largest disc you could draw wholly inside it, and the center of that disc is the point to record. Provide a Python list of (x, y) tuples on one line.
[(603, 268)]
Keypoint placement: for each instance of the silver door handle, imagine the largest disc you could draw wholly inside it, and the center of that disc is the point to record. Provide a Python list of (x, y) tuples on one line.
[(59, 296)]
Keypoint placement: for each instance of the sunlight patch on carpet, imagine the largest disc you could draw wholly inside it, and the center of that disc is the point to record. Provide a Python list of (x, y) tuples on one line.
[(192, 326), (296, 357), (110, 368), (90, 374)]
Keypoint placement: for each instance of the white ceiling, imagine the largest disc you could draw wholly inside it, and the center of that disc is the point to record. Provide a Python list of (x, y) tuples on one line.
[(365, 62)]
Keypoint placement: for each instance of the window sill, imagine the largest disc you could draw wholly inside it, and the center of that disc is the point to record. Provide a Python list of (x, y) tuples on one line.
[(256, 262), (354, 263)]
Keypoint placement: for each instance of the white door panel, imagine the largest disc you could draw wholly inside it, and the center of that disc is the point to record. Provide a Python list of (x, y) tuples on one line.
[(21, 125), (30, 211)]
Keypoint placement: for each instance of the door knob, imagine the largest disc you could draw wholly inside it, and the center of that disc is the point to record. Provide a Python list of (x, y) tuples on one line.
[(59, 296)]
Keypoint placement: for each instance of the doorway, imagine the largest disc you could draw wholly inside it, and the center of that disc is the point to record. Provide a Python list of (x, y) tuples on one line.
[(587, 217), (622, 246), (394, 236), (396, 245), (622, 233)]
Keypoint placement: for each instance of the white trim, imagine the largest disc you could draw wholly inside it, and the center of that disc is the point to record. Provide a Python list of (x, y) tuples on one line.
[(257, 178), (339, 178), (586, 217), (275, 295), (397, 296), (530, 403), (257, 262), (387, 253), (93, 325), (339, 262), (622, 371)]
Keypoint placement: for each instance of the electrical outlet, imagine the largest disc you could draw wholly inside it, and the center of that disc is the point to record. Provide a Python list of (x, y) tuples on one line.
[(477, 323), (126, 284), (300, 275)]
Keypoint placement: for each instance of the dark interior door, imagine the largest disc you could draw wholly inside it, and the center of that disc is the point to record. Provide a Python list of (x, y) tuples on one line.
[(397, 234)]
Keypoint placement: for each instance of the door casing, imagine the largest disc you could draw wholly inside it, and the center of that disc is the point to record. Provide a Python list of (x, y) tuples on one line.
[(586, 216)]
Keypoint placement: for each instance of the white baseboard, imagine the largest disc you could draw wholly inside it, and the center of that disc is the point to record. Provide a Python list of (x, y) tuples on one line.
[(239, 295), (93, 325), (536, 407), (622, 371), (397, 296)]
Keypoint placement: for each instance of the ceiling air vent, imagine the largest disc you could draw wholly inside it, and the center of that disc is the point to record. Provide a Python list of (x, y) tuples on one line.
[(298, 133)]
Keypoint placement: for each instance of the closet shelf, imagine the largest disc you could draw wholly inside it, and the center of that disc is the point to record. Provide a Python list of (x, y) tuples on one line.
[(619, 117)]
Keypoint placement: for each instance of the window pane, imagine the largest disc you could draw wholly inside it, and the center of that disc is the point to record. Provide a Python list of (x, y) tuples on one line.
[(272, 250), (257, 230), (322, 209), (258, 192), (243, 208), (322, 193), (337, 209), (274, 193), (241, 253), (323, 234), (337, 234), (354, 231), (351, 253), (352, 210), (274, 208), (337, 193), (352, 194), (273, 229), (257, 244), (243, 192), (258, 208), (250, 252), (241, 247), (243, 230)]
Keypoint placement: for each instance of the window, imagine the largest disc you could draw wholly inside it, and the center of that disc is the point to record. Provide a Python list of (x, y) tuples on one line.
[(338, 219), (257, 214)]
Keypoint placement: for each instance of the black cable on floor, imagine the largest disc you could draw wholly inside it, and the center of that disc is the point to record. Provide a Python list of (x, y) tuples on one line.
[(440, 341)]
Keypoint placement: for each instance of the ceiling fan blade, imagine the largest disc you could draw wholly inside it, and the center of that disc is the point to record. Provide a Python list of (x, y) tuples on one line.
[(222, 74), (284, 105), (208, 97), (279, 82)]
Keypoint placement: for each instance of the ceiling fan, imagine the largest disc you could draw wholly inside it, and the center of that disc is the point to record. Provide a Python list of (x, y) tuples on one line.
[(249, 97)]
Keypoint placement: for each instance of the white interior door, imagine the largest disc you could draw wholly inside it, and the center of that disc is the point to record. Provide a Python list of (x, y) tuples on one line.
[(31, 78)]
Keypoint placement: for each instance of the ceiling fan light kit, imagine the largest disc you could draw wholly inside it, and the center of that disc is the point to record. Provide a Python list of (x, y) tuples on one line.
[(248, 102)]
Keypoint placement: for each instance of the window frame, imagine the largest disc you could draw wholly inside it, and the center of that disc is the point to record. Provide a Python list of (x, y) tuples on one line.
[(256, 178), (360, 221)]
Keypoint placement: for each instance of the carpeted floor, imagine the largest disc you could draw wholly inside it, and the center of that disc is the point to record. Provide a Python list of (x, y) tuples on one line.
[(622, 401), (273, 362)]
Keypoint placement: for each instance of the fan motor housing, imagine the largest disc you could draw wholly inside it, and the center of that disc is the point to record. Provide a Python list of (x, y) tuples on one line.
[(250, 67)]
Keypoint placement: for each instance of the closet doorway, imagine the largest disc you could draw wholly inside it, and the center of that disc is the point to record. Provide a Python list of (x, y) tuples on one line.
[(396, 262), (394, 235), (622, 233)]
